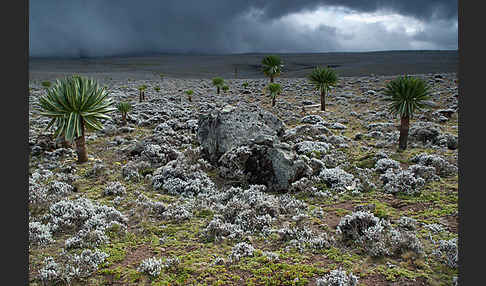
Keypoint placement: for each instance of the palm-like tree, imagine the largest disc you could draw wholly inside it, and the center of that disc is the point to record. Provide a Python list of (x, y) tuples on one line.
[(76, 104), (189, 93), (275, 89), (225, 88), (142, 89), (272, 66), (407, 94), (323, 78), (218, 82), (124, 108)]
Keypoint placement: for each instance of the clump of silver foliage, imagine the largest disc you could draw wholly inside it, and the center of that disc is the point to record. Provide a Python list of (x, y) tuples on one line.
[(337, 277), (90, 221), (241, 250), (377, 236), (448, 252), (71, 266)]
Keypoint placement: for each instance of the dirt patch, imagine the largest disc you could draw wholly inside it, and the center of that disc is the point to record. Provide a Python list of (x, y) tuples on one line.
[(416, 207), (380, 280), (332, 218), (136, 255), (375, 280), (452, 223)]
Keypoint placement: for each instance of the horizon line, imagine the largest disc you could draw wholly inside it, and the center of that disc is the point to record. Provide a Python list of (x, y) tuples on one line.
[(152, 54)]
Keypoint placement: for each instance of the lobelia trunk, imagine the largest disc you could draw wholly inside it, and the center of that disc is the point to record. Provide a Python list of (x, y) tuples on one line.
[(140, 96), (273, 101), (217, 89), (271, 79), (81, 146), (124, 119), (323, 101), (404, 126)]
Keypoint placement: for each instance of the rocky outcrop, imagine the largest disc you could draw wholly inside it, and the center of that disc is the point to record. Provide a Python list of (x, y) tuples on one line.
[(245, 146), (263, 163), (219, 132)]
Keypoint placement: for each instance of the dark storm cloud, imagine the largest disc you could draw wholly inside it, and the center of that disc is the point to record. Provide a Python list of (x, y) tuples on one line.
[(103, 28)]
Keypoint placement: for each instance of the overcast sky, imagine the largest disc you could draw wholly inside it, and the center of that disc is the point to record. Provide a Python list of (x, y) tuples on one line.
[(60, 28)]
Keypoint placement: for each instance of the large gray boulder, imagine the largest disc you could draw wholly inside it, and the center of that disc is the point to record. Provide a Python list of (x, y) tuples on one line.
[(259, 163), (220, 131), (244, 144)]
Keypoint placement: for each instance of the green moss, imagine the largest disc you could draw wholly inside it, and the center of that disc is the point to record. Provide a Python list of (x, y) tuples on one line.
[(338, 211), (264, 272), (314, 154), (116, 272), (393, 274), (117, 252), (366, 161), (341, 257), (205, 213), (383, 210)]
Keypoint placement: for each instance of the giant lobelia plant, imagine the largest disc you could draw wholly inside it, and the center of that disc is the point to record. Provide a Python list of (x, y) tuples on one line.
[(76, 104), (272, 66), (275, 89), (322, 79), (407, 94)]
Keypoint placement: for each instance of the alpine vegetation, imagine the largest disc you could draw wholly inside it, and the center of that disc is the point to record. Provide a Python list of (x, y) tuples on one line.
[(41, 194), (124, 108), (442, 167), (114, 189), (275, 89), (71, 267), (382, 165), (178, 177), (141, 90), (76, 104), (241, 250), (402, 181), (407, 94), (218, 82), (151, 266), (323, 79), (246, 212), (377, 236), (447, 251), (231, 190), (90, 221), (189, 94), (339, 180), (39, 233), (225, 88), (337, 277), (272, 66)]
